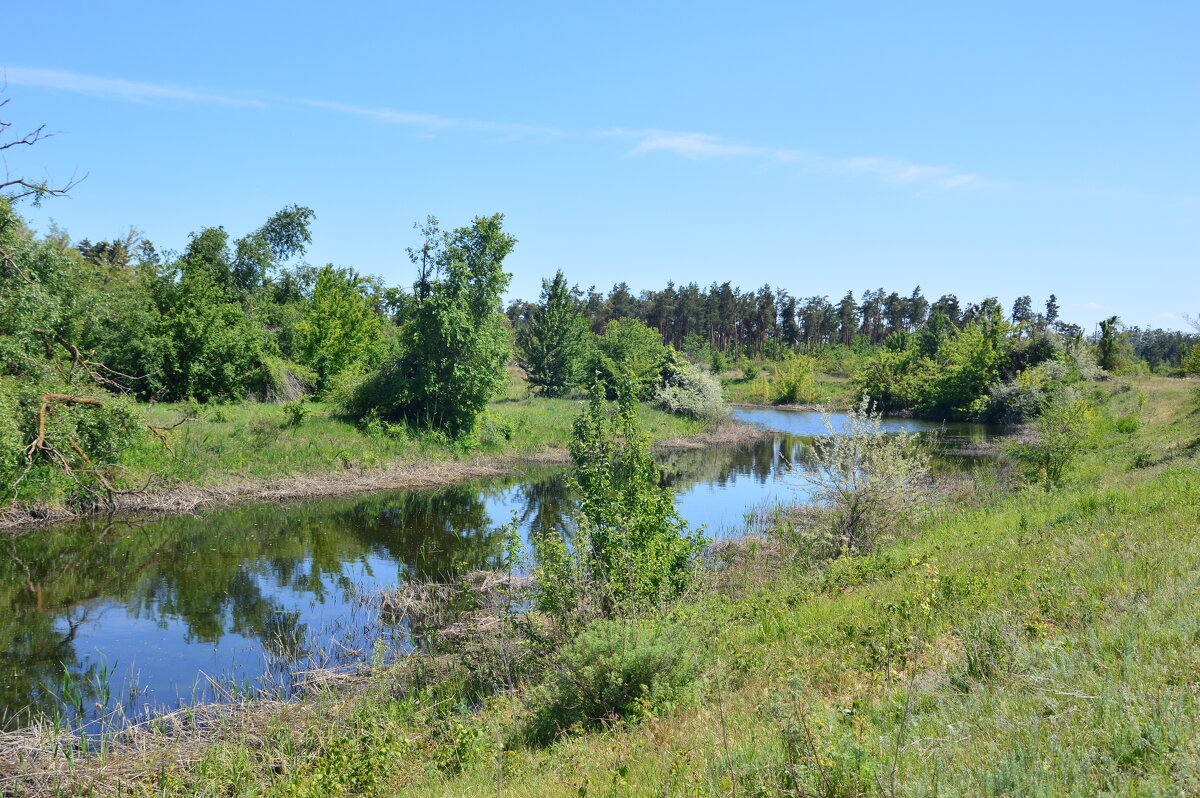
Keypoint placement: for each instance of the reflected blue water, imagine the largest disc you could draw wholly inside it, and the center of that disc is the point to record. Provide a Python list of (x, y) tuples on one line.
[(256, 592)]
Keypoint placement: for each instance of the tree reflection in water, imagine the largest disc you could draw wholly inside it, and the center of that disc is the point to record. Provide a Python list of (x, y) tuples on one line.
[(253, 586)]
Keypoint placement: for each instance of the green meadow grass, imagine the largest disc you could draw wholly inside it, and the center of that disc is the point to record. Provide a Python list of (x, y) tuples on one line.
[(254, 440), (829, 389)]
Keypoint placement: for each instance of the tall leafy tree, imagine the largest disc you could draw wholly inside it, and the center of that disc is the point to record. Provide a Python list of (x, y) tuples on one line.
[(214, 350), (455, 344), (554, 344), (339, 325), (1108, 345), (258, 254), (629, 347)]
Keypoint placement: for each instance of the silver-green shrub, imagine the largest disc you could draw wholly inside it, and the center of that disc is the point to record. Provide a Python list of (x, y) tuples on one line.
[(692, 391), (867, 478)]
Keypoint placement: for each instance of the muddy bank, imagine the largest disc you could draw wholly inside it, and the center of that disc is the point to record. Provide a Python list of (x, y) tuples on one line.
[(391, 476), (836, 407), (730, 434)]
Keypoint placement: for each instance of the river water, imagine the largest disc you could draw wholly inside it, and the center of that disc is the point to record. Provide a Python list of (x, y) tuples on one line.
[(152, 614)]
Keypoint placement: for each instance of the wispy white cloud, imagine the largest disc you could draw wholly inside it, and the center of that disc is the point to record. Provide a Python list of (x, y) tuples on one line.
[(432, 122), (897, 170), (694, 146), (1167, 315), (699, 146), (115, 89)]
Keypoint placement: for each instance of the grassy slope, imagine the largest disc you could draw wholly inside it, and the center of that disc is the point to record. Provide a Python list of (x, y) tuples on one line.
[(1080, 610), (1033, 643)]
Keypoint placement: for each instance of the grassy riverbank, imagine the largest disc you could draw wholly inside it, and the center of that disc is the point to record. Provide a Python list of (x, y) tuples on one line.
[(760, 382), (256, 441), (259, 450), (1010, 640)]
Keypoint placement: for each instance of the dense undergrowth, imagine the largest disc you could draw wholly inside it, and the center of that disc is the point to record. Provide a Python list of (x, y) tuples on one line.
[(1011, 639)]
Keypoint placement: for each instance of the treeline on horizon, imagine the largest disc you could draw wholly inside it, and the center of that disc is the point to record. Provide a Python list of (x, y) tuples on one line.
[(88, 327), (770, 322), (231, 318)]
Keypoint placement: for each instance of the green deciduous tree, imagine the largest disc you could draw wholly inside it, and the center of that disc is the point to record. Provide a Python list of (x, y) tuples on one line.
[(554, 345), (1109, 344), (629, 346), (631, 548), (455, 344), (956, 385), (216, 352), (339, 326), (61, 431), (888, 378)]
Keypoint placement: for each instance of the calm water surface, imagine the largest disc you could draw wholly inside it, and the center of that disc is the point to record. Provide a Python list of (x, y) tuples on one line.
[(152, 614)]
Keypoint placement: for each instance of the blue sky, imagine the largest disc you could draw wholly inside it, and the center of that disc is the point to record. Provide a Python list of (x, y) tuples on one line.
[(976, 149)]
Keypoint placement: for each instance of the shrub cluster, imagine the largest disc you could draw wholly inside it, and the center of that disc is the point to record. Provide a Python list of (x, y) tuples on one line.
[(1062, 432), (631, 548), (613, 670), (691, 391), (866, 478)]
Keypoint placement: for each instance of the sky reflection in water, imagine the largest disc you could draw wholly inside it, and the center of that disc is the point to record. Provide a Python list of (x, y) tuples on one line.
[(264, 589)]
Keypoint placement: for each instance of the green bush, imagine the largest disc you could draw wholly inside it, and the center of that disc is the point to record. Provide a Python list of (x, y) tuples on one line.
[(1127, 425), (888, 380), (494, 431), (80, 444), (794, 381), (839, 360), (612, 671), (339, 327), (718, 362), (1191, 363), (295, 413), (1026, 396), (1062, 433)]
